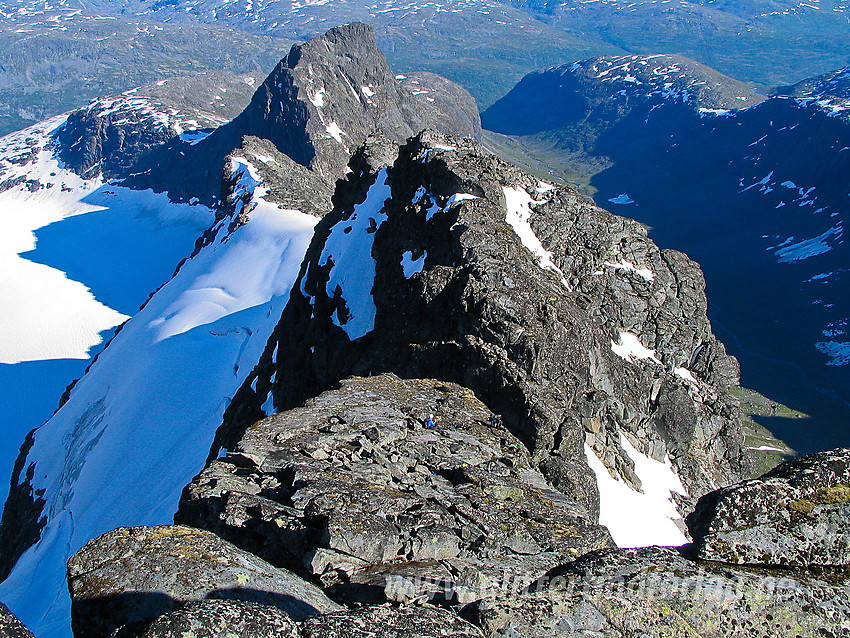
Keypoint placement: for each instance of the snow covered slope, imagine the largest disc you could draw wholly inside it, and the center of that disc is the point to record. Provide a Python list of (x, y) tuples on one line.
[(139, 425), (77, 257)]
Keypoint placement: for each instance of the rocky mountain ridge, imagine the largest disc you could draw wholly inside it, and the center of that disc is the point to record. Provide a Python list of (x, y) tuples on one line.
[(465, 369), (535, 331), (192, 343)]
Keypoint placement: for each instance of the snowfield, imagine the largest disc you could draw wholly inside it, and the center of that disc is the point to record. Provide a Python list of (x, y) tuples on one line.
[(77, 258), (139, 425), (639, 518)]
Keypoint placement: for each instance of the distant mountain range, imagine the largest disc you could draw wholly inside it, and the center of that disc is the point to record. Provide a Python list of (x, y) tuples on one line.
[(55, 54)]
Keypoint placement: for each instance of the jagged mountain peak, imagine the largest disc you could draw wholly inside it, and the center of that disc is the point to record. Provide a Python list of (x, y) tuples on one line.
[(322, 100), (338, 89)]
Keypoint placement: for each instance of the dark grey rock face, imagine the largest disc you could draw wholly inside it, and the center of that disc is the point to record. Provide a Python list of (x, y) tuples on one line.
[(287, 184), (796, 515), (10, 626), (656, 592), (456, 112), (477, 308), (125, 578), (216, 618), (355, 490)]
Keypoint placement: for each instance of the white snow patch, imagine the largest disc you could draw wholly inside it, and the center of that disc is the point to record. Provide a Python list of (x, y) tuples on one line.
[(639, 519), (368, 93), (318, 98), (837, 351), (705, 111), (335, 132), (766, 448), (685, 374), (352, 273), (622, 199), (411, 266), (518, 214), (819, 277), (644, 273), (193, 137), (630, 348), (459, 197)]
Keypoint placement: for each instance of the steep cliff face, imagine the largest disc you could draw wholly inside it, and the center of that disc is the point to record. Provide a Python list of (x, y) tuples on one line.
[(442, 261), (752, 187)]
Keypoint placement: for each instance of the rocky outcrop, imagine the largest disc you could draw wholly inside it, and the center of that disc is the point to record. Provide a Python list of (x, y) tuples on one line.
[(214, 618), (229, 617), (447, 289), (123, 579), (112, 134), (255, 172), (10, 626), (657, 592), (146, 573), (357, 491), (796, 515), (285, 183)]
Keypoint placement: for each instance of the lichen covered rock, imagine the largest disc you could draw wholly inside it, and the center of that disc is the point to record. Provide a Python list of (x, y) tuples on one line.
[(223, 619), (657, 592), (129, 576), (796, 515), (390, 622)]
